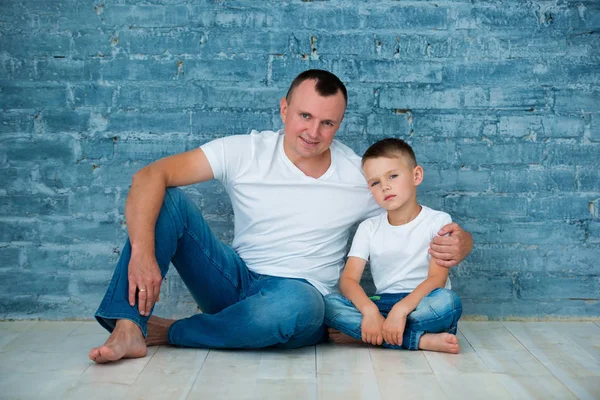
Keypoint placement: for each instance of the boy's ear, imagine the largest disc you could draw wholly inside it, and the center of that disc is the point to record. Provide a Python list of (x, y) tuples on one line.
[(283, 106), (418, 175)]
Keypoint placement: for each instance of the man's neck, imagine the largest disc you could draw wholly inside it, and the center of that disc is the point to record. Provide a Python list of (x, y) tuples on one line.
[(404, 214), (314, 167)]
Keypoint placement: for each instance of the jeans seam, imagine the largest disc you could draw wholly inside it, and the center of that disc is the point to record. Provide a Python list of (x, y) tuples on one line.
[(197, 241)]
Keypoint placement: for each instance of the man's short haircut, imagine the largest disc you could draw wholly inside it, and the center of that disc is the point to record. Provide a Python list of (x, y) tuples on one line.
[(327, 84), (390, 148)]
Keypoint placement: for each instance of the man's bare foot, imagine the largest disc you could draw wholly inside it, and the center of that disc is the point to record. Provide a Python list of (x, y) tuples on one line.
[(158, 330), (126, 341), (444, 342), (338, 337)]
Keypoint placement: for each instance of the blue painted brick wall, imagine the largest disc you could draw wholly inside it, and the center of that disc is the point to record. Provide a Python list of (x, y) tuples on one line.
[(500, 99)]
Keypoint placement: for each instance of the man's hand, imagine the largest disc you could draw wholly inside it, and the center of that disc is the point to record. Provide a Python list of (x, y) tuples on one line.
[(371, 328), (145, 279), (393, 327), (448, 251)]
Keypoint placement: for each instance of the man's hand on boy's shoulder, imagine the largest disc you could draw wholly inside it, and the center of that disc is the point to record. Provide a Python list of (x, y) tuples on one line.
[(452, 245)]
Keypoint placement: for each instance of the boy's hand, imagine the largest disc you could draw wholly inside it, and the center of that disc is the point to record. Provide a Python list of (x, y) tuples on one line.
[(393, 327), (371, 326)]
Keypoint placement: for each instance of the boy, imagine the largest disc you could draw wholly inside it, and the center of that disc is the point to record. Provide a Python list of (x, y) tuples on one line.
[(413, 307)]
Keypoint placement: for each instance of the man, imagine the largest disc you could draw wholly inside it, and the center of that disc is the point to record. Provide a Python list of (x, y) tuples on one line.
[(295, 194)]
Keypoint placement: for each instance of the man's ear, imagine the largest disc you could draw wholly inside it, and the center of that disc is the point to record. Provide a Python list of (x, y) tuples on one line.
[(418, 175), (283, 107)]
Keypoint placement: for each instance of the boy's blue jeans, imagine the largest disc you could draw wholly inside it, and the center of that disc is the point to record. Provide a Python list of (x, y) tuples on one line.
[(437, 312), (241, 309)]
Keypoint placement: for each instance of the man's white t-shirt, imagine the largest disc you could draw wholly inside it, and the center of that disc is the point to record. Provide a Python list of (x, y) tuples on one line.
[(288, 224), (398, 254)]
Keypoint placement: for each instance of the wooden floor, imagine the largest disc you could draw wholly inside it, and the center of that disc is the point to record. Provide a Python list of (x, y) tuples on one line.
[(498, 360)]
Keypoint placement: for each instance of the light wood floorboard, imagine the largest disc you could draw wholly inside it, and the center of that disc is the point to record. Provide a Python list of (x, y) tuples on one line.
[(498, 360)]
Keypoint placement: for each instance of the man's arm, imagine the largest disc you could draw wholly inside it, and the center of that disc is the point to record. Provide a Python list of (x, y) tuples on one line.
[(143, 205), (450, 250)]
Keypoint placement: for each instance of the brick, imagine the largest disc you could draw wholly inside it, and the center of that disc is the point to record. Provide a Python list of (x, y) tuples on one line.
[(430, 152), (145, 15), (589, 180), (593, 232), (285, 69), (559, 287), (39, 148), (234, 18), (9, 257), (479, 287), (420, 98), (97, 148), (502, 258), (387, 71), (36, 45), (20, 205), (425, 16), (453, 180), (388, 124), (317, 16), (16, 122), (83, 200), (430, 124), (573, 260), (92, 95), (533, 179), (65, 121), (17, 229), (529, 98), (78, 230), (32, 96), (572, 154), (88, 44), (230, 123), (16, 180), (149, 122), (207, 43), (560, 207), (576, 100), (146, 148), (18, 282), (352, 126), (594, 128), (532, 233), (515, 154), (252, 70), (121, 69), (490, 207)]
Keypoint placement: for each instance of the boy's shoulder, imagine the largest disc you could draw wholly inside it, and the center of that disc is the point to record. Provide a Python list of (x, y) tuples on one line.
[(432, 214)]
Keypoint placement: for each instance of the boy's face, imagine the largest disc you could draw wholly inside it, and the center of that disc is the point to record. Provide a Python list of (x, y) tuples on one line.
[(393, 181)]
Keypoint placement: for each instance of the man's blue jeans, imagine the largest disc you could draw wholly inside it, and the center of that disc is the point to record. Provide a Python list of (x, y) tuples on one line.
[(241, 309), (437, 312)]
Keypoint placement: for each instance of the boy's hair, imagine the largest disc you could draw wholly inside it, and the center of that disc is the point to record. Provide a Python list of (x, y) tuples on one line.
[(390, 148), (327, 84)]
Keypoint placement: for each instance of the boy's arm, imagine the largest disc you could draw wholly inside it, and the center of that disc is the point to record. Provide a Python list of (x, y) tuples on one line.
[(436, 278), (394, 325), (351, 289), (451, 245)]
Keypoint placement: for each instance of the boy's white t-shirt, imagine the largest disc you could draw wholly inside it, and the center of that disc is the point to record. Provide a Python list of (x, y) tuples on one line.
[(398, 254), (286, 223)]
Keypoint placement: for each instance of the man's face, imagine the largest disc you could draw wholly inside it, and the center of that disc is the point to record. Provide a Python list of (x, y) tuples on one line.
[(310, 121)]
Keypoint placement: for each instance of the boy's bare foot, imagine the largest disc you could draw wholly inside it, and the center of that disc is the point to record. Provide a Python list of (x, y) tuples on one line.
[(126, 341), (341, 338), (158, 330), (444, 342)]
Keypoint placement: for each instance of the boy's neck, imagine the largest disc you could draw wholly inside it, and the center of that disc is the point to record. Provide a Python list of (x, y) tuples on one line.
[(404, 214)]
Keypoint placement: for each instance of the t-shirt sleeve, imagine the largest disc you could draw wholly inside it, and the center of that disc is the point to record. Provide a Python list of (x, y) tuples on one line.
[(361, 242), (225, 155), (438, 222)]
